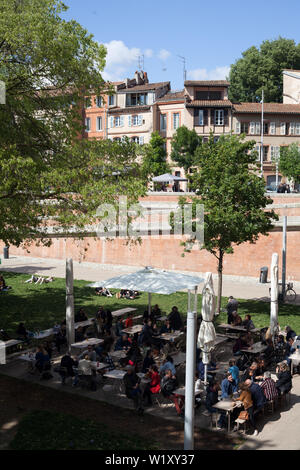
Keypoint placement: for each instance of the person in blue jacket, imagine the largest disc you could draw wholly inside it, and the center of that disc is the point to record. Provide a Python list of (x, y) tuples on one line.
[(235, 372), (227, 386)]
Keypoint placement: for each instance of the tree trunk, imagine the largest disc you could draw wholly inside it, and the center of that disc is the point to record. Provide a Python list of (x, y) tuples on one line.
[(220, 271)]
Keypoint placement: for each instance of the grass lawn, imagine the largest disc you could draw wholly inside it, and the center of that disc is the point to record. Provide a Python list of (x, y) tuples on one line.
[(41, 306), (45, 430)]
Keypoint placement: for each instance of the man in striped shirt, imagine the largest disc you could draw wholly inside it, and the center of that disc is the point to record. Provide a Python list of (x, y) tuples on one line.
[(268, 386)]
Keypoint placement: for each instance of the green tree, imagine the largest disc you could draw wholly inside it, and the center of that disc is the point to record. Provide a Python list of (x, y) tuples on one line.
[(289, 163), (261, 68), (184, 144), (48, 66), (155, 157), (233, 196)]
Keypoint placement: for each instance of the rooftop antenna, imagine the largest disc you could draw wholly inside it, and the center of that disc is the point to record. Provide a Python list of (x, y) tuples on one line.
[(141, 62), (183, 59)]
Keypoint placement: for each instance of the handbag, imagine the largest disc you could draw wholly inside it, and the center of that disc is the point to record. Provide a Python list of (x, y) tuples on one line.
[(244, 415)]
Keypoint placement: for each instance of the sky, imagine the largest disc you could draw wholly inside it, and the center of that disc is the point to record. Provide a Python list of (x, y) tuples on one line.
[(210, 36)]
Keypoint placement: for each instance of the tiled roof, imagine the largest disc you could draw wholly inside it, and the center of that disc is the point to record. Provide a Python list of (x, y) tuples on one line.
[(206, 83), (146, 87), (269, 108), (209, 104), (172, 96)]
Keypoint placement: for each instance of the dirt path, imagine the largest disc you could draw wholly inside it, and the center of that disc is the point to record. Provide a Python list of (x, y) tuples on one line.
[(19, 397)]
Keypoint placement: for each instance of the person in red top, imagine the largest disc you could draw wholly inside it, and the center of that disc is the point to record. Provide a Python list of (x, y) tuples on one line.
[(154, 385), (129, 321)]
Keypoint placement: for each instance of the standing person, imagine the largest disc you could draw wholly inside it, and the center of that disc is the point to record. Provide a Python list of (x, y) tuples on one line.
[(129, 321), (175, 319), (246, 398), (232, 306), (211, 399), (154, 386), (132, 388), (168, 384), (235, 372)]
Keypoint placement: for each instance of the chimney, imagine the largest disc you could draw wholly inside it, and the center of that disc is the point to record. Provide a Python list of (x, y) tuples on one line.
[(146, 77)]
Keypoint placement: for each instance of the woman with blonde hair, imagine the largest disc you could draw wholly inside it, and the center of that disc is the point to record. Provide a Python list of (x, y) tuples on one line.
[(284, 382)]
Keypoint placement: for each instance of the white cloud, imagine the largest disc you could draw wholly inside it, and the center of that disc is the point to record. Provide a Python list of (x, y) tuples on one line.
[(163, 54), (119, 59), (219, 73), (148, 53)]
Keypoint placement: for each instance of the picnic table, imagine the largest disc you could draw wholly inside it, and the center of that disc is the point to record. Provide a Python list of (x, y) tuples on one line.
[(123, 311), (226, 326), (227, 405), (220, 339), (133, 329), (98, 365), (256, 348), (118, 354), (170, 336), (84, 323), (295, 358), (44, 334), (181, 391), (12, 342), (87, 342)]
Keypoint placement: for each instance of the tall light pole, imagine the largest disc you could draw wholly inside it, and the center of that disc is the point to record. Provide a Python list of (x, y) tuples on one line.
[(262, 137)]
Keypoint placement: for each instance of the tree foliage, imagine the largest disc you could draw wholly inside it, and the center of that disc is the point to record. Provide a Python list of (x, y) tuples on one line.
[(261, 68), (155, 157), (48, 173), (289, 163), (184, 144), (233, 196)]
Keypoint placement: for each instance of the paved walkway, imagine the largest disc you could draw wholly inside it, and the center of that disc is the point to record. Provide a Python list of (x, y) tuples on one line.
[(243, 288)]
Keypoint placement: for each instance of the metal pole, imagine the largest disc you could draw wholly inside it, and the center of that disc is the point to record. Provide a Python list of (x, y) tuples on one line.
[(262, 136), (284, 255), (190, 377), (69, 303), (276, 173)]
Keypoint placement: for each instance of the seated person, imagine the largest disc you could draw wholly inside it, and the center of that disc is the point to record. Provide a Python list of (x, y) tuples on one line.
[(22, 333), (261, 368), (3, 285), (42, 359), (227, 386), (123, 343), (166, 328), (246, 398), (80, 316), (257, 394), (108, 341), (289, 350), (154, 386), (167, 365), (48, 347), (107, 359), (132, 388), (236, 319), (175, 319), (66, 364), (269, 387), (248, 323), (250, 372), (146, 335), (284, 382), (211, 399), (118, 327), (156, 312), (90, 353), (60, 337), (235, 372), (107, 320), (85, 370), (200, 368), (168, 384), (79, 334), (129, 321), (98, 290), (241, 343), (148, 361), (289, 333)]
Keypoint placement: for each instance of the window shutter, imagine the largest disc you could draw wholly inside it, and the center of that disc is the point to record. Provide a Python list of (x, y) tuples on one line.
[(272, 128), (252, 128), (225, 117), (238, 127), (129, 120), (212, 116), (282, 128), (121, 121), (205, 112), (111, 121), (292, 128), (140, 120), (257, 127), (272, 153), (297, 128), (141, 140)]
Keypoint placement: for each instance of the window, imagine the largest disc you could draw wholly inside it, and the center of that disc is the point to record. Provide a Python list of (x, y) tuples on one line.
[(111, 100), (272, 128), (136, 99), (265, 154), (208, 95), (135, 120), (216, 139), (117, 139), (237, 127), (87, 102), (138, 140), (254, 128), (163, 122), (282, 128), (99, 101), (99, 123), (201, 117), (219, 117), (295, 128), (175, 120), (257, 128), (245, 127), (266, 128), (87, 124), (275, 153), (119, 121)]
